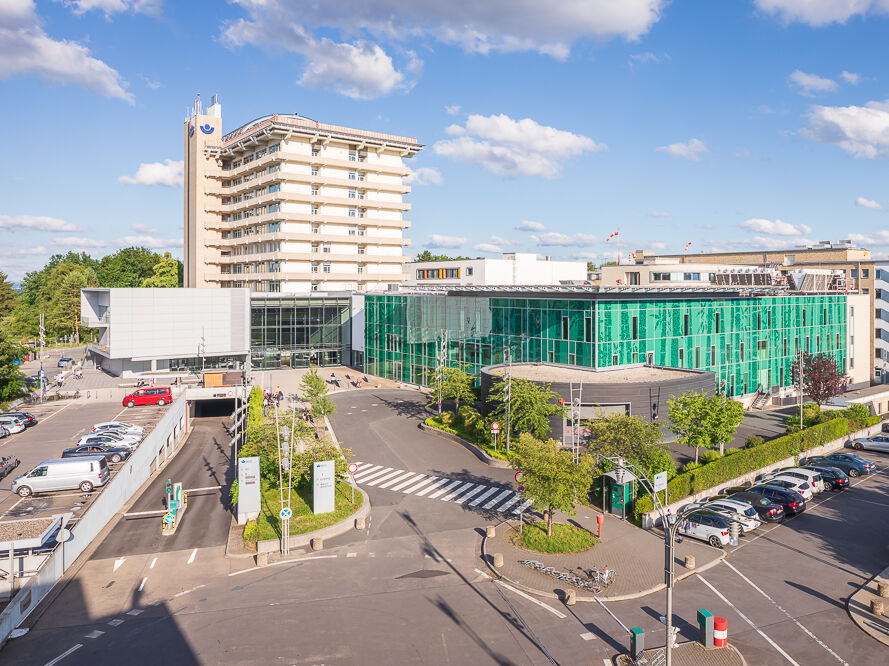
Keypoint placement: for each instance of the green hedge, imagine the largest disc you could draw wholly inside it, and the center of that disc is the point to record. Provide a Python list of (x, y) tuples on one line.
[(748, 460)]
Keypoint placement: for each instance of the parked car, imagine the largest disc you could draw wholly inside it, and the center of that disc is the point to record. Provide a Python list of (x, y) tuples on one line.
[(63, 474), (12, 423), (873, 443), (111, 453), (791, 483), (851, 464), (110, 438), (28, 420), (707, 526), (7, 464), (790, 500), (744, 513), (149, 396), (129, 427), (767, 510), (3, 432), (64, 361), (115, 430), (834, 477), (809, 476)]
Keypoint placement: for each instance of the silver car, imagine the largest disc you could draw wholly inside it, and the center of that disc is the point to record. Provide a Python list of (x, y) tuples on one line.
[(13, 424), (63, 474), (874, 443)]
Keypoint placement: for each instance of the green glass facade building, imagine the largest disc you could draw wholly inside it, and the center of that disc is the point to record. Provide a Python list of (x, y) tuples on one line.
[(748, 340)]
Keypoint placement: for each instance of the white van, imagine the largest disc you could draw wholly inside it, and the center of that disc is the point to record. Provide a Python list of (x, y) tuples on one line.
[(63, 474)]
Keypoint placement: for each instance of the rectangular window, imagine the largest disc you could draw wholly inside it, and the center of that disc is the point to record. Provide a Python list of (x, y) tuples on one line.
[(823, 315), (588, 329), (353, 194), (685, 325), (817, 343), (315, 248), (785, 347), (353, 175), (326, 267), (316, 152), (854, 272), (360, 268), (614, 359), (635, 328), (804, 316), (314, 210), (713, 355), (564, 328), (796, 345), (807, 344), (353, 212), (316, 228), (314, 267), (717, 323), (759, 321), (314, 171), (274, 286), (681, 358), (353, 157), (742, 352), (468, 271), (728, 352), (697, 357), (315, 189), (275, 187), (769, 318)]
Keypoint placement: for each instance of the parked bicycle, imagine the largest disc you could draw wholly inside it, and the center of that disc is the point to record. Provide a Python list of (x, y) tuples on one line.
[(596, 580)]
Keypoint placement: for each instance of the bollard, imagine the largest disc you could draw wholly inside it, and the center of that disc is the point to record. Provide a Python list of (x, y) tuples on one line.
[(317, 544), (492, 531), (570, 598), (689, 561), (262, 559), (599, 520), (883, 589), (720, 632), (359, 523), (705, 622), (498, 560), (637, 644), (876, 606)]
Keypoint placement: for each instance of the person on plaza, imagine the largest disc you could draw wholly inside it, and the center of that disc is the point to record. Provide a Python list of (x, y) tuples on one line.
[(332, 378), (280, 394)]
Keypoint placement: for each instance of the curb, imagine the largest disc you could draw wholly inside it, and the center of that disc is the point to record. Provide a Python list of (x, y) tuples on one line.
[(619, 597), (475, 450), (864, 619)]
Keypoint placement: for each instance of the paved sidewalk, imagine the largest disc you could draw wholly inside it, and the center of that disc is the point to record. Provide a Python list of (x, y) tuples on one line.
[(290, 378), (859, 608), (690, 654), (636, 555)]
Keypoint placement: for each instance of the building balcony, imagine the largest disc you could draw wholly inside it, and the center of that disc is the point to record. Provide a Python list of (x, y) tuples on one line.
[(369, 184), (310, 237), (335, 257), (306, 198), (304, 217), (304, 276), (310, 160), (90, 321)]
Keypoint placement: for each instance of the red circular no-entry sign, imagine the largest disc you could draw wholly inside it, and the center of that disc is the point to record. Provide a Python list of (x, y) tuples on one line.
[(518, 476), (495, 426), (353, 468)]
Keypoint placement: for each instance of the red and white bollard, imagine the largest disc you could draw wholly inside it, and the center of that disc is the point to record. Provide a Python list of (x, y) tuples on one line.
[(720, 632)]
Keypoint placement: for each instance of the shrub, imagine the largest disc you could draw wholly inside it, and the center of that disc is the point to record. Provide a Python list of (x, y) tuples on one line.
[(753, 440), (251, 532), (448, 418), (731, 452), (690, 466), (710, 456)]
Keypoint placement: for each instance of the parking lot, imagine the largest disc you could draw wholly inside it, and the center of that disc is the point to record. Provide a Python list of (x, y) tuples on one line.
[(60, 425)]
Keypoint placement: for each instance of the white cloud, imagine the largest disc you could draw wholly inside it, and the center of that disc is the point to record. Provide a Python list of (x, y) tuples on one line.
[(878, 238), (35, 250), (850, 77), (756, 243), (110, 7), (690, 150), (658, 213), (488, 247), (870, 204), (657, 245), (646, 58), (775, 227), (35, 222), (862, 131), (144, 229), (809, 84), (513, 148), (821, 12), (79, 242), (154, 85), (424, 176), (452, 109), (438, 240), (552, 238), (26, 49), (149, 241), (530, 225), (83, 243), (505, 242), (167, 173)]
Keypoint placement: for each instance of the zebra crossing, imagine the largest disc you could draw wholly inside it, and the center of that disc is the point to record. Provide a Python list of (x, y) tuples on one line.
[(475, 495)]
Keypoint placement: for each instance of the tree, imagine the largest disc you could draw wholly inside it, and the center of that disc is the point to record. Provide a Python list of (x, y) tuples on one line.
[(552, 480), (167, 273), (703, 421), (457, 384), (426, 255), (8, 296), (531, 406), (315, 392), (633, 439), (64, 284), (10, 377), (821, 379), (128, 267)]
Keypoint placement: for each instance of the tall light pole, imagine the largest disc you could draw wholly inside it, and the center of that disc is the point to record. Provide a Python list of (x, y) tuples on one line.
[(508, 392)]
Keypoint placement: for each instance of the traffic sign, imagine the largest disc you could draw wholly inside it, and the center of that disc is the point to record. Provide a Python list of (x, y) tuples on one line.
[(660, 481), (286, 512), (495, 426), (518, 476), (169, 518), (353, 468), (521, 489)]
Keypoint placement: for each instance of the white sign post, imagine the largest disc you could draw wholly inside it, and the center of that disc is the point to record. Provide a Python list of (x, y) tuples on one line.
[(323, 476), (660, 483), (248, 489), (352, 469), (495, 428)]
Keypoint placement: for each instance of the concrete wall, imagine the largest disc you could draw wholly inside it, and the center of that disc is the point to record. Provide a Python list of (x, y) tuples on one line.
[(860, 340)]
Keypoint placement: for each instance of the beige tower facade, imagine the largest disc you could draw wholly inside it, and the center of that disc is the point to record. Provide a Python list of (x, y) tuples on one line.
[(285, 204)]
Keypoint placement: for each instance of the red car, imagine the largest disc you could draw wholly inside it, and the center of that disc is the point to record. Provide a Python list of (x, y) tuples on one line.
[(160, 395)]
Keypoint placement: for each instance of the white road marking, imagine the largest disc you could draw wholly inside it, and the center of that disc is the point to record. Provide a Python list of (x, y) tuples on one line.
[(118, 563), (192, 556), (63, 655), (747, 620), (272, 564), (361, 472), (142, 584), (153, 562), (858, 499), (372, 475), (116, 622), (512, 501), (382, 478), (552, 610), (450, 496), (351, 554), (414, 478), (481, 498), (524, 505), (135, 612), (47, 418), (95, 633), (447, 485), (396, 479), (426, 480), (187, 591), (481, 573), (808, 633), (469, 493), (589, 636), (497, 500)]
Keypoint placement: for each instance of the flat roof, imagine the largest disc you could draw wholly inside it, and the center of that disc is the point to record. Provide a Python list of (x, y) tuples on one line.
[(554, 372), (594, 292)]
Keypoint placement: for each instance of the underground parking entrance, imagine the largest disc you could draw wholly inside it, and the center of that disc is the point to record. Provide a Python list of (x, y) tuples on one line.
[(212, 407)]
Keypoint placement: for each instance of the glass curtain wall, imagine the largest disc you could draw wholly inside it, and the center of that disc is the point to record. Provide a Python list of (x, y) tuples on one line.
[(747, 342), (294, 331)]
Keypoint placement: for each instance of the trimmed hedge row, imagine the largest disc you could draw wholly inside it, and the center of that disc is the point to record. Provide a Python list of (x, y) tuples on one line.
[(748, 460)]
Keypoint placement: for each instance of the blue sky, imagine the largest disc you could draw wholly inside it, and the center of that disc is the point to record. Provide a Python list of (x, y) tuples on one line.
[(750, 124)]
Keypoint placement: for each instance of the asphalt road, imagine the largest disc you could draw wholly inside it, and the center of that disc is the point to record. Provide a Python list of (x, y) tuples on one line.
[(412, 590)]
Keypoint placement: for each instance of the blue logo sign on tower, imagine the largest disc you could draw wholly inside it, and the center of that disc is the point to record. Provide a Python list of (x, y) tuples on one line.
[(207, 129)]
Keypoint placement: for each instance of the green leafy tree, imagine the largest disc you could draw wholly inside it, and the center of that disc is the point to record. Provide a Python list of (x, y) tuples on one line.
[(531, 406), (65, 282), (315, 391), (633, 439), (703, 421), (821, 379), (8, 296), (426, 255), (10, 377), (128, 267), (167, 273), (552, 480), (457, 385)]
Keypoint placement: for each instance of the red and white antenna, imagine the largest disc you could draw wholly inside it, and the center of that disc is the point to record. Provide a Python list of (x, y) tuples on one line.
[(616, 234), (687, 245)]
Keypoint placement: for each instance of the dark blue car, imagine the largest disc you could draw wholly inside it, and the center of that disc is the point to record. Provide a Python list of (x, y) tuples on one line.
[(851, 464)]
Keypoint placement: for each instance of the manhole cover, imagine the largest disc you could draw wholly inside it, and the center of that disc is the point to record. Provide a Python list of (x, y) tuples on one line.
[(424, 573)]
